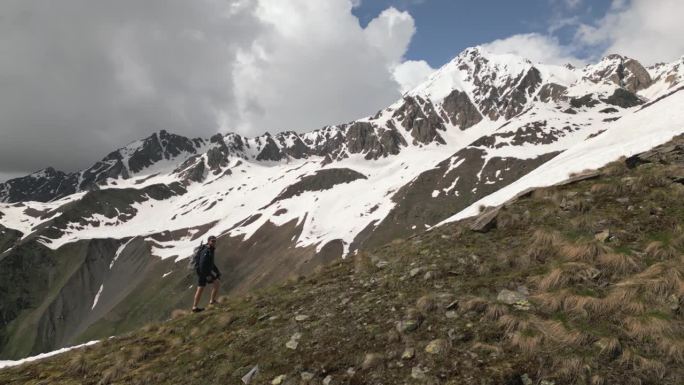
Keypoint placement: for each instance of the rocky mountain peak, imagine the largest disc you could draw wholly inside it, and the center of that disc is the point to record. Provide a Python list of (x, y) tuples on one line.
[(620, 70)]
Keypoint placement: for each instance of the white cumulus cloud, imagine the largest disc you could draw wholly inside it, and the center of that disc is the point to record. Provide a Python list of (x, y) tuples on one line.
[(316, 65), (648, 30), (535, 47), (411, 73)]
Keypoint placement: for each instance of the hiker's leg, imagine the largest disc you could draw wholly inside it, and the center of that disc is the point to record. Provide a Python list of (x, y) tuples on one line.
[(198, 295), (215, 289)]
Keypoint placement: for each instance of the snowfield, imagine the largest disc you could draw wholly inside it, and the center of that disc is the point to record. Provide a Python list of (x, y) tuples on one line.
[(633, 134)]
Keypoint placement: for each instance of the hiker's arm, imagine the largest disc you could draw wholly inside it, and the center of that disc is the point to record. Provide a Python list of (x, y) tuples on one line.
[(216, 271)]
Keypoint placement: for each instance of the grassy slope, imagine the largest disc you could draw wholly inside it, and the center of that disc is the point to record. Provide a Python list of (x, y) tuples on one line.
[(598, 312)]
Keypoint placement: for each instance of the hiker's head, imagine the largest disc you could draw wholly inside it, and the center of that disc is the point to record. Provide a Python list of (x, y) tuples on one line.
[(212, 240)]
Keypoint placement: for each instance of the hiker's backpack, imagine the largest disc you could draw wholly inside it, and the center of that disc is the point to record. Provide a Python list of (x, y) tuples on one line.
[(193, 264)]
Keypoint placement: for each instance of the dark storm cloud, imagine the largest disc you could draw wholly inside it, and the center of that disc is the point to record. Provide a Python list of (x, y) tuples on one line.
[(79, 78)]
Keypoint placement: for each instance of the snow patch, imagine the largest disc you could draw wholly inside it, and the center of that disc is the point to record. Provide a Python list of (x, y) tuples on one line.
[(6, 364), (97, 297)]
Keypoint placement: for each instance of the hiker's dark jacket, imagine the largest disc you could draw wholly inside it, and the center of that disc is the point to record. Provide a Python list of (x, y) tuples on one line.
[(206, 264)]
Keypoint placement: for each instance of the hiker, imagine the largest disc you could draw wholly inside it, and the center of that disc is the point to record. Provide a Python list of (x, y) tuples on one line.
[(207, 272)]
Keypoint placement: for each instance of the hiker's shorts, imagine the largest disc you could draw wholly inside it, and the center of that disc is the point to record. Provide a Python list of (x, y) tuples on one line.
[(203, 280)]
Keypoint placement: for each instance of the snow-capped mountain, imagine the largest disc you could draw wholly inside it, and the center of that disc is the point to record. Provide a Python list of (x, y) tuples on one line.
[(478, 131)]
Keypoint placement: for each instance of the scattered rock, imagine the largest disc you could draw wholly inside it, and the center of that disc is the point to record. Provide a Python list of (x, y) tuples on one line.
[(485, 221), (247, 378), (378, 262), (294, 341), (327, 380), (407, 325), (408, 354), (306, 376), (415, 271), (603, 236), (438, 346), (417, 373), (526, 379), (428, 276), (372, 360), (301, 317), (393, 336), (452, 305), (425, 304), (674, 303), (510, 297), (451, 314), (279, 380)]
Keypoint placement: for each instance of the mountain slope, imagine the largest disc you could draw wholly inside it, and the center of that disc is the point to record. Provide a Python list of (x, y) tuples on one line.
[(577, 283), (287, 202)]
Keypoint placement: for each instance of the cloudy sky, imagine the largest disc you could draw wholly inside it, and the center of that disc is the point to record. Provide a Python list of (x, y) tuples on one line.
[(80, 78)]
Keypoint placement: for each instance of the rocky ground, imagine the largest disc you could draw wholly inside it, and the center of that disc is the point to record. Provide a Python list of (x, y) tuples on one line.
[(575, 284)]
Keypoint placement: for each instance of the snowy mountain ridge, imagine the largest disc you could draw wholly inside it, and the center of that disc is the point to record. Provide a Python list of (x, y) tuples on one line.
[(465, 100)]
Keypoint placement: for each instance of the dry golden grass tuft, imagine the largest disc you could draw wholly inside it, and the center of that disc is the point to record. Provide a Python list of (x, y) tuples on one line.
[(617, 264), (139, 354), (651, 180), (509, 220), (176, 341), (225, 320), (554, 279), (362, 263), (586, 251), (179, 313), (569, 272), (619, 299), (610, 347), (582, 223), (571, 368), (488, 348), (678, 241), (112, 374), (658, 281), (616, 168), (550, 302), (661, 251), (544, 193), (510, 260), (673, 349), (199, 351), (581, 305), (77, 365), (544, 245), (495, 311), (475, 304), (642, 365), (605, 189), (511, 323), (559, 333), (150, 328), (646, 328), (597, 380), (526, 341)]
